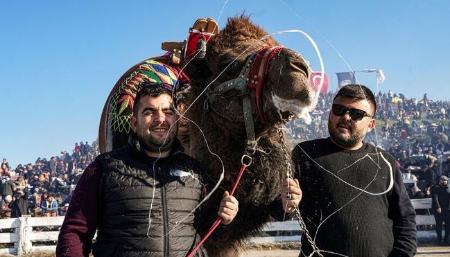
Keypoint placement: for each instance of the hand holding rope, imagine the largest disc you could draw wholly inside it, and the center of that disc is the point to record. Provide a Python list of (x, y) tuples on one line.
[(292, 206), (246, 161), (291, 196)]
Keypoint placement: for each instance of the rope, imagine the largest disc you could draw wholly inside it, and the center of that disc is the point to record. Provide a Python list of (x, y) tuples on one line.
[(219, 220)]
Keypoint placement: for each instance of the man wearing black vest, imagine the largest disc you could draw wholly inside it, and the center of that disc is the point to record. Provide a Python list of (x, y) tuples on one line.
[(139, 197), (352, 198)]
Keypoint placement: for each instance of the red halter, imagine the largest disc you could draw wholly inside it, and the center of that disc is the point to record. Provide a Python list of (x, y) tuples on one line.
[(258, 74)]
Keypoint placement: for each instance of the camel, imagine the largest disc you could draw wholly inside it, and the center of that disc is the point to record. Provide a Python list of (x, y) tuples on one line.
[(243, 88)]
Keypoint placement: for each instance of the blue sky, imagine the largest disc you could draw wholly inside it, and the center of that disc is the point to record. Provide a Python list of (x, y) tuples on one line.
[(60, 59)]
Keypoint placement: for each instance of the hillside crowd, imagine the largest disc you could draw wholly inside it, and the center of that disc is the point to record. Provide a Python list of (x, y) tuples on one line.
[(43, 188), (414, 131)]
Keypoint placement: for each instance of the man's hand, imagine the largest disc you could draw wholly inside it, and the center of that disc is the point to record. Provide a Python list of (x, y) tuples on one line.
[(229, 207), (291, 195), (438, 210)]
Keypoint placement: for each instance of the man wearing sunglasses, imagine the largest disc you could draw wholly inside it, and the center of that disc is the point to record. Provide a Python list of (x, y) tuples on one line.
[(352, 198)]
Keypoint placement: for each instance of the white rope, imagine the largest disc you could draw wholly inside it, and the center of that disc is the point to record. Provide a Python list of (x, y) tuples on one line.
[(391, 173), (305, 115)]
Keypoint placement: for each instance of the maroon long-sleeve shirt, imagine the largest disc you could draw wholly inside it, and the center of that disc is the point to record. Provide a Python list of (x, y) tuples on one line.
[(78, 229)]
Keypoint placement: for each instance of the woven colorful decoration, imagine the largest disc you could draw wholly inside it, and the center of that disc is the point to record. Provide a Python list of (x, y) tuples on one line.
[(120, 106)]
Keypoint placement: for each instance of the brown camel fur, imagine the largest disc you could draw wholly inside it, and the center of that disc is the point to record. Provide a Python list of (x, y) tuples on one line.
[(220, 117)]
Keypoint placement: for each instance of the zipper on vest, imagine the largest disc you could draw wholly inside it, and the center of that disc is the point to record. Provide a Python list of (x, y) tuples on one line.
[(165, 221)]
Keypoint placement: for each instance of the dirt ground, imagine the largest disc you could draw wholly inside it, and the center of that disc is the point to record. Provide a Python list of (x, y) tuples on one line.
[(423, 251)]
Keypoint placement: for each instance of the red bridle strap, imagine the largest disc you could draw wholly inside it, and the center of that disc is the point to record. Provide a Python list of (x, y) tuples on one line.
[(258, 74), (219, 220)]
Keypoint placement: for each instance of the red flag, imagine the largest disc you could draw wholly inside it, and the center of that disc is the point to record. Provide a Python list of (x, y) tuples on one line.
[(315, 82)]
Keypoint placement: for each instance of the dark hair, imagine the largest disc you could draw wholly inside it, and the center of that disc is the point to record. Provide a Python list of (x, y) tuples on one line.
[(153, 89), (358, 92)]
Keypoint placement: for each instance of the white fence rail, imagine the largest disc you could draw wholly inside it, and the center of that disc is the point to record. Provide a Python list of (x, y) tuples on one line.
[(278, 232), (31, 234), (27, 234), (424, 205)]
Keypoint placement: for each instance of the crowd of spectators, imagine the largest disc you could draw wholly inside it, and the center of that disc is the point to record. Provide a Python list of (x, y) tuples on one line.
[(43, 188), (414, 131)]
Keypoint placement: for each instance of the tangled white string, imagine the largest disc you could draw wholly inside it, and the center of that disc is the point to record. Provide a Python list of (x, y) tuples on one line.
[(182, 115), (391, 172), (221, 10), (305, 115), (160, 152), (222, 174), (361, 190), (346, 204), (349, 67), (153, 199)]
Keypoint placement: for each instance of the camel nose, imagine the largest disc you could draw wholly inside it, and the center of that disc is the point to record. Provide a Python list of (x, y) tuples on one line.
[(289, 76)]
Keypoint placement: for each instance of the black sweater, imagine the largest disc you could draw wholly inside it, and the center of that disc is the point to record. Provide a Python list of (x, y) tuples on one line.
[(342, 218)]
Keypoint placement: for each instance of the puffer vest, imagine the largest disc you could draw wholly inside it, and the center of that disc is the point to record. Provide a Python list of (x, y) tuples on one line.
[(136, 187)]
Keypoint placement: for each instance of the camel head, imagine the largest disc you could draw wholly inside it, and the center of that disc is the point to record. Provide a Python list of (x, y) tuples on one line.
[(243, 61)]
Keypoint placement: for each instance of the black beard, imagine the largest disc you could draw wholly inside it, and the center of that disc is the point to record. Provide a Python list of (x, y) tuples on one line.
[(352, 141), (156, 148)]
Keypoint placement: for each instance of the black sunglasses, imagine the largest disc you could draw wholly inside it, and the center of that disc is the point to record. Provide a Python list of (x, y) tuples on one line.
[(355, 114)]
